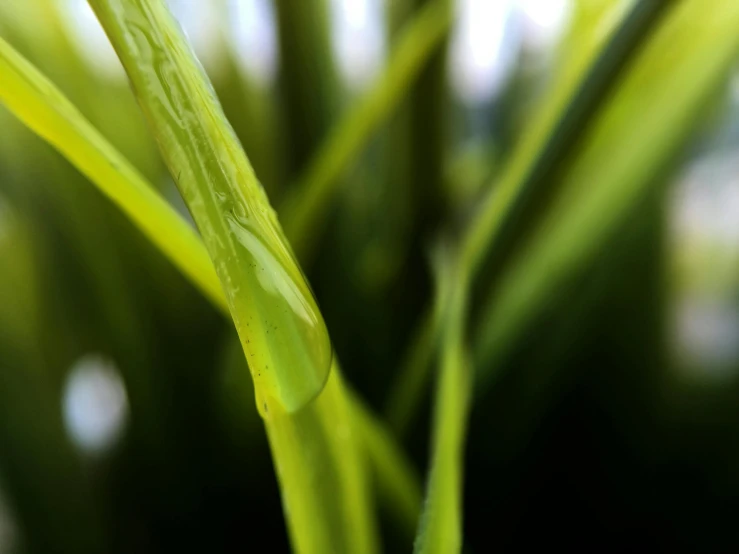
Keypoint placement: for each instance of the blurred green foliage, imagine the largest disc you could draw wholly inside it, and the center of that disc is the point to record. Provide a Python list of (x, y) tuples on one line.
[(518, 304)]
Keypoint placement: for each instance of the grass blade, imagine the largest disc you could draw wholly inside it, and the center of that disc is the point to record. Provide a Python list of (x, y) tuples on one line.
[(251, 107), (689, 55), (441, 522), (309, 201), (325, 490)]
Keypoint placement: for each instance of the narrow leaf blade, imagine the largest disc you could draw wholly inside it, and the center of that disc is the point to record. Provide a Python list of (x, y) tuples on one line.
[(311, 198), (440, 530)]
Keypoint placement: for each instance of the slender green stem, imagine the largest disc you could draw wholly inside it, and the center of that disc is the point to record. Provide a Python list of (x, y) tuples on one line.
[(440, 529), (322, 474), (413, 375)]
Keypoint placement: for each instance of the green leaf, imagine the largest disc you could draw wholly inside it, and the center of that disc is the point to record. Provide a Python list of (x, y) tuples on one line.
[(311, 198), (250, 106), (646, 122), (441, 522), (281, 329)]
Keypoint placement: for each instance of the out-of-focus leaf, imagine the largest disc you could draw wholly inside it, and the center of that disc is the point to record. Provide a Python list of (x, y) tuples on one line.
[(664, 91), (413, 377), (311, 198), (308, 79), (396, 480), (18, 308)]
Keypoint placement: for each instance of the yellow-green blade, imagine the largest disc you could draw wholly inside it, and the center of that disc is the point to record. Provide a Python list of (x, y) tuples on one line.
[(323, 475), (281, 329), (440, 529), (648, 120), (47, 112)]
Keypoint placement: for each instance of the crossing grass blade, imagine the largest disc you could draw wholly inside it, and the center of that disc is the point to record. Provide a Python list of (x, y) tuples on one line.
[(440, 529)]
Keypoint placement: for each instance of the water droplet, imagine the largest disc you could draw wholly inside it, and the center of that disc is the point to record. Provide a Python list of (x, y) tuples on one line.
[(290, 341)]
